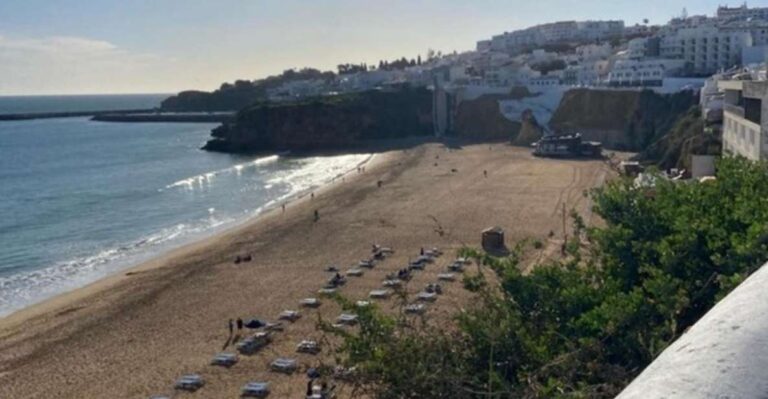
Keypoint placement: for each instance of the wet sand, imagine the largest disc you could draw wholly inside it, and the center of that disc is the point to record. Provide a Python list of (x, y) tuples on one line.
[(133, 334)]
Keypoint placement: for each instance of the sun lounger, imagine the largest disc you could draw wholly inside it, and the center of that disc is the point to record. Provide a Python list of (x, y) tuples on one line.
[(380, 294), (355, 272), (427, 296), (290, 315), (368, 264), (255, 390), (416, 308), (326, 291), (394, 283), (456, 267), (308, 346), (310, 302), (189, 382), (274, 327), (362, 304), (224, 359), (344, 373), (159, 397), (255, 324), (446, 277), (347, 319), (253, 343), (425, 259), (416, 266), (284, 365), (465, 261)]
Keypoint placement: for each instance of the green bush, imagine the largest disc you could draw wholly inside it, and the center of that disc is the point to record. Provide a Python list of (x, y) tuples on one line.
[(587, 325)]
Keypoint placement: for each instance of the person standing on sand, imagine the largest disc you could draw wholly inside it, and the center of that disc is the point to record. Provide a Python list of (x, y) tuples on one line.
[(311, 195), (239, 324), (317, 215), (231, 327), (283, 208), (485, 173)]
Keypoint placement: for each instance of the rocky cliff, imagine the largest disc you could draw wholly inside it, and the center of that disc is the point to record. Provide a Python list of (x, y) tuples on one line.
[(336, 122), (689, 136), (481, 118), (622, 120)]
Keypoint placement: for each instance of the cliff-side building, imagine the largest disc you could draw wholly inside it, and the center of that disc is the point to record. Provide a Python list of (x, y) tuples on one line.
[(745, 118)]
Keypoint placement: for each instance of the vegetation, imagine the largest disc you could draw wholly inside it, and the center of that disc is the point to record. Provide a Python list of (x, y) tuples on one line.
[(328, 122), (237, 95), (549, 66), (583, 326), (688, 136)]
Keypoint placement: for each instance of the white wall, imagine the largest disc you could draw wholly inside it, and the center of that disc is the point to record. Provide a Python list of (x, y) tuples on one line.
[(724, 355)]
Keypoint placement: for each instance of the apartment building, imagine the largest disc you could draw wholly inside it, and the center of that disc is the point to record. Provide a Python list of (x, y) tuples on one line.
[(643, 72), (705, 48), (745, 118), (742, 12)]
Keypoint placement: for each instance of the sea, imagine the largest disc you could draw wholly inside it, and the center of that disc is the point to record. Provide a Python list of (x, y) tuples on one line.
[(81, 200)]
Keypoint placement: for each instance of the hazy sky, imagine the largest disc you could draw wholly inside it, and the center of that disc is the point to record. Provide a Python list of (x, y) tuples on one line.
[(159, 46)]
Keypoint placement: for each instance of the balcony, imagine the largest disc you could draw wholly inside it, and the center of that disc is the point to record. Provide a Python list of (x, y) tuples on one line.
[(734, 109)]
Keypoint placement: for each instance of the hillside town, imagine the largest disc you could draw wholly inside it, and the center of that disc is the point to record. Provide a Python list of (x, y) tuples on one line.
[(690, 52)]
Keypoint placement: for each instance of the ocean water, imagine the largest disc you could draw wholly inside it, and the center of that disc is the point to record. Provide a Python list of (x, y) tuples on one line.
[(80, 200), (32, 104)]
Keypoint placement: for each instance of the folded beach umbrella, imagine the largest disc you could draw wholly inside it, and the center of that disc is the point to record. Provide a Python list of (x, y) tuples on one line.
[(255, 323)]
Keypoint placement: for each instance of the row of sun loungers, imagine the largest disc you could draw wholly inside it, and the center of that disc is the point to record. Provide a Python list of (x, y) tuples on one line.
[(257, 341)]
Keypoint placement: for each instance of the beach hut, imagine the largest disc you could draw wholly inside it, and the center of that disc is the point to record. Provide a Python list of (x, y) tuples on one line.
[(493, 238)]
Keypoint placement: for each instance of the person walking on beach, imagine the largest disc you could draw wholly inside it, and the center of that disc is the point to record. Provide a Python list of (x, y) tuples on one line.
[(311, 195), (283, 208), (485, 173), (239, 324), (317, 215), (231, 327)]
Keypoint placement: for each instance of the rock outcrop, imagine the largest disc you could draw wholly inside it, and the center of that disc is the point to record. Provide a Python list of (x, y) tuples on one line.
[(689, 136), (335, 122), (481, 118), (620, 119), (530, 130)]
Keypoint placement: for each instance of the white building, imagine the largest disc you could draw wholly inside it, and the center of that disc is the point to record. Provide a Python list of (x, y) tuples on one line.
[(555, 32), (745, 118), (484, 45), (742, 12), (587, 73), (705, 49), (644, 72), (589, 52), (636, 48), (545, 81), (509, 75)]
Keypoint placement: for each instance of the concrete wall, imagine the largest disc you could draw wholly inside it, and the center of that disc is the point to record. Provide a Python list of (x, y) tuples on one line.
[(741, 137), (724, 355)]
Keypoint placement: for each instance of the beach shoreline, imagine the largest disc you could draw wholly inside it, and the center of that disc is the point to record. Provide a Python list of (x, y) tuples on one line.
[(65, 299), (131, 335)]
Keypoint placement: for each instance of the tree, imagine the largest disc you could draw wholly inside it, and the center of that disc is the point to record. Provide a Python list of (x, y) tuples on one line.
[(586, 324)]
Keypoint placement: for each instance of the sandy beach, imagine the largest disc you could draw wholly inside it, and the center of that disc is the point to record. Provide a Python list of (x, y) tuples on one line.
[(133, 334)]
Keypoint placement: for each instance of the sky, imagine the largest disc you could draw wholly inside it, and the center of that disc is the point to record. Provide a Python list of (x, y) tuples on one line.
[(164, 46)]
